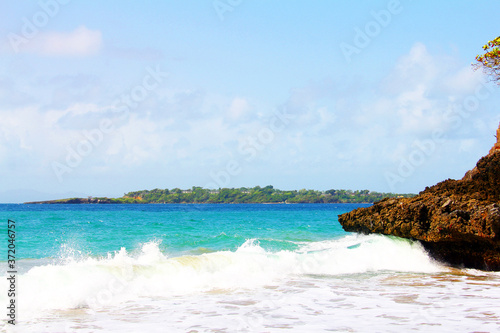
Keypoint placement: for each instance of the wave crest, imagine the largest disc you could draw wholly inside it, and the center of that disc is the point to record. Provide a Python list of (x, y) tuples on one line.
[(95, 283)]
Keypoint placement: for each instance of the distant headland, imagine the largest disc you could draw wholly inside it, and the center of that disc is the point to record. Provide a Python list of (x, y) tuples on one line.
[(257, 194)]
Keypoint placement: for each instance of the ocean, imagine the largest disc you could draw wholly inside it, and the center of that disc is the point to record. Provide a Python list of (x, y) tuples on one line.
[(227, 268)]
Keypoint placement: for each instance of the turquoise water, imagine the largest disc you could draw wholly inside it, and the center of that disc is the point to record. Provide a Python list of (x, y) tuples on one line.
[(50, 231), (229, 268)]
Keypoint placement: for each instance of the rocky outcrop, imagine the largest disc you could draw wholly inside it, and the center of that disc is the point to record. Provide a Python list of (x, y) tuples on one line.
[(457, 221)]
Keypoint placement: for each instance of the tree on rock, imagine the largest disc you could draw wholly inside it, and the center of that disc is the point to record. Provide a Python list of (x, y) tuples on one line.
[(490, 60)]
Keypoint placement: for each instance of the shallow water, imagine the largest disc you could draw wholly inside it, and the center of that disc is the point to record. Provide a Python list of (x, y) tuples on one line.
[(229, 268)]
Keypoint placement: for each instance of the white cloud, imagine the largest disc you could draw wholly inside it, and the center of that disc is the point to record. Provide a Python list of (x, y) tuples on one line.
[(339, 128), (78, 43), (463, 81), (421, 89), (27, 131), (238, 108), (417, 67)]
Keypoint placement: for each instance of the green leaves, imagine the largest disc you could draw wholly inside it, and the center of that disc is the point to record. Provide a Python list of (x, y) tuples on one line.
[(256, 194), (490, 60)]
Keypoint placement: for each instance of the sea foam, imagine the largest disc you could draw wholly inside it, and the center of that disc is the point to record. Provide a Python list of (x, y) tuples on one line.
[(96, 283)]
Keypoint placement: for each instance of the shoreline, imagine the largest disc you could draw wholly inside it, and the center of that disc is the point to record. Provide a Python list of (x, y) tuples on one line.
[(57, 202)]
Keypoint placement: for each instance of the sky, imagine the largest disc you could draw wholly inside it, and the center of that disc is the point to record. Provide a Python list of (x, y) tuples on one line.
[(99, 98)]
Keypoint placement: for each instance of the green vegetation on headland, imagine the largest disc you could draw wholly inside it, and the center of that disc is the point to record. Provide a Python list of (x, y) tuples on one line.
[(255, 194)]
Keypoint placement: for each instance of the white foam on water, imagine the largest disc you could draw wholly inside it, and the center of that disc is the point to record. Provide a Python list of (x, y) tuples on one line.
[(153, 283), (368, 253)]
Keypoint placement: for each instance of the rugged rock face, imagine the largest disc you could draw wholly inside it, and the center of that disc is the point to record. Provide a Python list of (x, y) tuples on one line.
[(457, 221)]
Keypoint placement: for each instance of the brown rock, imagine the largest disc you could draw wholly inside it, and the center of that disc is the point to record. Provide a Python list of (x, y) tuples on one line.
[(457, 221)]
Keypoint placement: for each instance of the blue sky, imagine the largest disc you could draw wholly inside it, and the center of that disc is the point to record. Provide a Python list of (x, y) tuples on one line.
[(101, 98)]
